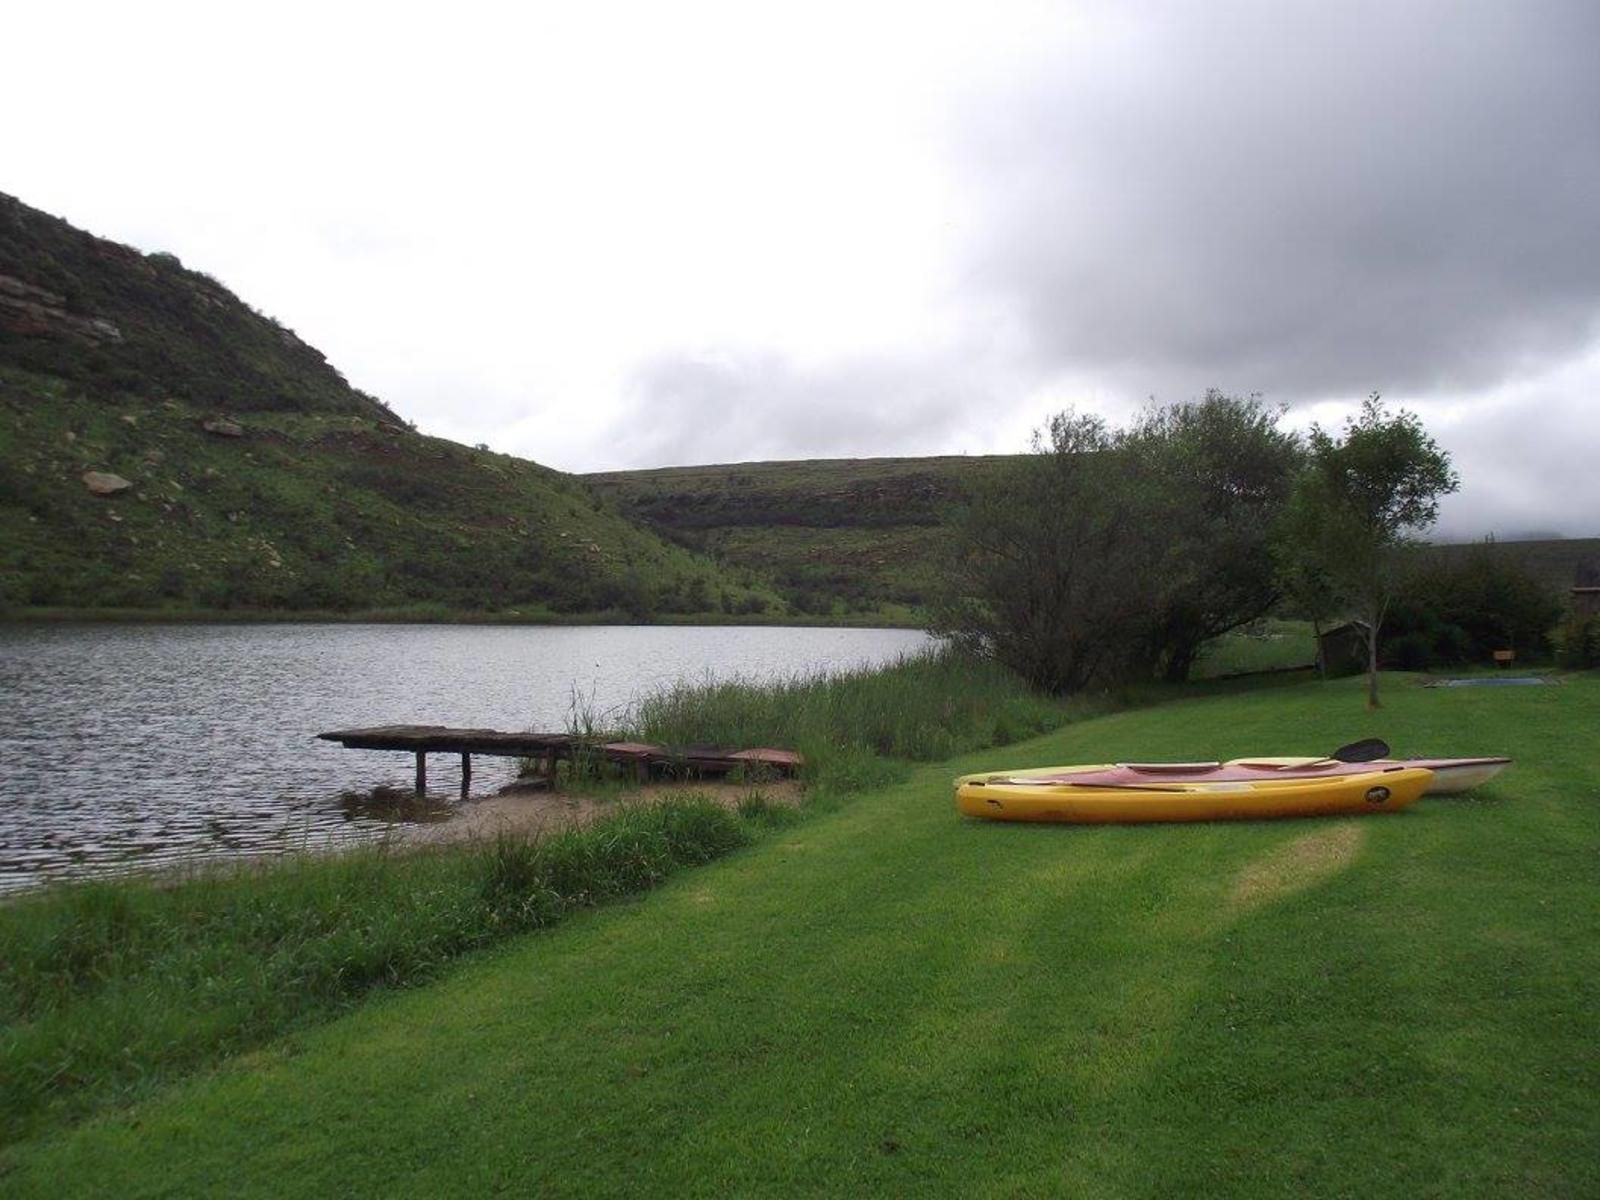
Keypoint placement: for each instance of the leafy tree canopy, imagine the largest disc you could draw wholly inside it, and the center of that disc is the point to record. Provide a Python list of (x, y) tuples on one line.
[(1350, 528), (1112, 554)]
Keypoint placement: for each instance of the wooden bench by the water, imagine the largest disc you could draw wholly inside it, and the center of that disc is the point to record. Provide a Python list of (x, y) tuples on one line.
[(549, 748)]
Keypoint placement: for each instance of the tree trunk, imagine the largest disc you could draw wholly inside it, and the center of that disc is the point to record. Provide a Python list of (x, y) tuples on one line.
[(1322, 663), (1372, 667), (1179, 663)]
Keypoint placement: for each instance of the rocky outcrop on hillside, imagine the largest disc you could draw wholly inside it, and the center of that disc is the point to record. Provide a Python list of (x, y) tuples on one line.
[(29, 311)]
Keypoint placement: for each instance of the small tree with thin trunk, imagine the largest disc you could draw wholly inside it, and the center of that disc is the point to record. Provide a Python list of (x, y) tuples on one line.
[(1354, 515), (1307, 589)]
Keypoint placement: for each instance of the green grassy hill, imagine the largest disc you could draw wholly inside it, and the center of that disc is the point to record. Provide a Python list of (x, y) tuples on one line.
[(834, 534), (311, 511), (256, 478)]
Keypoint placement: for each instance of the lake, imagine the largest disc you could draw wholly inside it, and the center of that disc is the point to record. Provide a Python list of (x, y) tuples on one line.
[(130, 746)]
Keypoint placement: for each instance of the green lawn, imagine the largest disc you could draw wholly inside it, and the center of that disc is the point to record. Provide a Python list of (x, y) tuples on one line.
[(891, 1000), (1273, 645)]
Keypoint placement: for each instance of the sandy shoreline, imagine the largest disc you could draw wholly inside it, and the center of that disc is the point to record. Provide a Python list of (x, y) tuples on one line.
[(527, 810)]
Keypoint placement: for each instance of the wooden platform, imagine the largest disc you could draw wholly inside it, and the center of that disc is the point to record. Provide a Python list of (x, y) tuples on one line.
[(547, 749)]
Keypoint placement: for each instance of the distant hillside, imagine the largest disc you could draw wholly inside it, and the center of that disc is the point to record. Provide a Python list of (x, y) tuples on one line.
[(1553, 560), (241, 471), (834, 534), (870, 533)]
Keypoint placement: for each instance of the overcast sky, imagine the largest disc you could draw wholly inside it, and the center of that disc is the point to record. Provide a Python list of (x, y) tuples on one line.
[(627, 235)]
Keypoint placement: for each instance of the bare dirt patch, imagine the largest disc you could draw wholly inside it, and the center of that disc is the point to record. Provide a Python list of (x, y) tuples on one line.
[(530, 811), (1296, 866)]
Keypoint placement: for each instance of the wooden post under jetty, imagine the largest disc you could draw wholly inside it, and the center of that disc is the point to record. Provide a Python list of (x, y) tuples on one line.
[(548, 749)]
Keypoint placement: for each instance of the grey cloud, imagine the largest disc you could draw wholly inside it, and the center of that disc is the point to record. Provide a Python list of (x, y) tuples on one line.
[(1302, 199), (739, 407), (1308, 201), (1526, 468)]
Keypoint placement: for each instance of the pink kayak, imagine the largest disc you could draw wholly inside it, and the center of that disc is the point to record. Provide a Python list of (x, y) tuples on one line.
[(1450, 775)]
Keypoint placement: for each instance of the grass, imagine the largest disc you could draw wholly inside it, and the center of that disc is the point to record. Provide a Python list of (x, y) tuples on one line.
[(889, 1000), (1273, 645), (113, 988)]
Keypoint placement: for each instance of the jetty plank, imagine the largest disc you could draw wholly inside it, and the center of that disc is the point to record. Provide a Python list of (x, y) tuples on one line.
[(431, 738), (548, 748)]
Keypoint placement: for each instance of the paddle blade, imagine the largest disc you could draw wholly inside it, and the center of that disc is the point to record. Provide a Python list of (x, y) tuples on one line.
[(1366, 750)]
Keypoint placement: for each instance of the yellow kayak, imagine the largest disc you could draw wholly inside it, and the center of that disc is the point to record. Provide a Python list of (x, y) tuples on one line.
[(1450, 775), (1018, 799)]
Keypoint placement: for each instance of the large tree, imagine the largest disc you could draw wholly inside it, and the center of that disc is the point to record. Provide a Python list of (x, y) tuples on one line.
[(1227, 469), (1356, 510), (1113, 554), (1061, 567)]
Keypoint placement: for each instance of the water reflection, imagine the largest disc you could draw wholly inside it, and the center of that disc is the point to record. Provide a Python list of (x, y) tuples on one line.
[(148, 745)]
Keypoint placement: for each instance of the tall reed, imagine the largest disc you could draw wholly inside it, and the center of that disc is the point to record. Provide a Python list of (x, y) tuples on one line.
[(920, 708)]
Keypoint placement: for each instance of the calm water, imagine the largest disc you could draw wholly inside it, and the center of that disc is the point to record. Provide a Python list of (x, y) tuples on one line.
[(131, 746)]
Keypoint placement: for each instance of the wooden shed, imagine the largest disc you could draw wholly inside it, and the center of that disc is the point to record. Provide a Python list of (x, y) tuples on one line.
[(1343, 649)]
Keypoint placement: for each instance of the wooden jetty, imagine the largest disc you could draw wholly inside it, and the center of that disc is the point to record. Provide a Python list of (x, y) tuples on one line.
[(547, 749)]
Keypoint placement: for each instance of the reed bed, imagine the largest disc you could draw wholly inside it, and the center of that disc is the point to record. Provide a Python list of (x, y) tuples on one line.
[(852, 725)]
